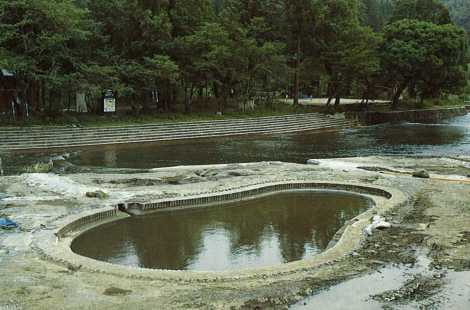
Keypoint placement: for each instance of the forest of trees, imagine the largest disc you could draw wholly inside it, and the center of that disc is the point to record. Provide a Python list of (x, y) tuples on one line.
[(460, 12), (216, 51), (379, 12)]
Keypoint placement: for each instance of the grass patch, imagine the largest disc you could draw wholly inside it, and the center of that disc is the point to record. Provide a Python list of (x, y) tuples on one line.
[(93, 120), (437, 103)]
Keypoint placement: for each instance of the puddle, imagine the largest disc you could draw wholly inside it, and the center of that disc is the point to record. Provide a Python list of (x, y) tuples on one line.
[(389, 288)]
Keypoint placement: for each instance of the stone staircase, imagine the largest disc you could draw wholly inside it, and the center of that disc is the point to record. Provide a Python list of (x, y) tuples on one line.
[(24, 138)]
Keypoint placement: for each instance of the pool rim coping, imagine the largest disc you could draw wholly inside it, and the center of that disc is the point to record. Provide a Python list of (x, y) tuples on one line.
[(56, 248)]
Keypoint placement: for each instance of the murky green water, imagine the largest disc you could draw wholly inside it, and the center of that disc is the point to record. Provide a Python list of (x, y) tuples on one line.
[(263, 232), (399, 139), (452, 138)]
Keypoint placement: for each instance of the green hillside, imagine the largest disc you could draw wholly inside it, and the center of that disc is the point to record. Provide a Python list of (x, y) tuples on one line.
[(460, 12)]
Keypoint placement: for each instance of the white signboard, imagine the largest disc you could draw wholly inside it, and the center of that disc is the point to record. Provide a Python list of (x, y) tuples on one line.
[(109, 105)]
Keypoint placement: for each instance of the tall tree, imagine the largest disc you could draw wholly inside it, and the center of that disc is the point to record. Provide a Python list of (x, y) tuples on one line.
[(300, 21), (370, 14), (40, 41), (264, 43), (137, 43), (460, 12), (424, 10), (187, 17), (424, 56), (341, 58)]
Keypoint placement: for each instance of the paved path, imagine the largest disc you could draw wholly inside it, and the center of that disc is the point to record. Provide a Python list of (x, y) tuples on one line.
[(322, 101), (24, 138)]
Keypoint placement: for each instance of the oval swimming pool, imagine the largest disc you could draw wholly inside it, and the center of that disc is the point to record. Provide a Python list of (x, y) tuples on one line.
[(266, 231)]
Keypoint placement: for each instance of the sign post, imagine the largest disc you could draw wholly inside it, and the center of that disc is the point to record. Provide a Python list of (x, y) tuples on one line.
[(109, 102)]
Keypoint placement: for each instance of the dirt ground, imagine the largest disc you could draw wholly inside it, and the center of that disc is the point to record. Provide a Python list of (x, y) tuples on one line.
[(421, 262)]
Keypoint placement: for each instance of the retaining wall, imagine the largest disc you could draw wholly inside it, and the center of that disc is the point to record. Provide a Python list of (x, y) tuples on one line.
[(24, 138), (416, 116)]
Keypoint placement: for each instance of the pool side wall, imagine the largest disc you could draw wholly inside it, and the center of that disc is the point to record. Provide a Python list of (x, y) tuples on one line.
[(56, 246)]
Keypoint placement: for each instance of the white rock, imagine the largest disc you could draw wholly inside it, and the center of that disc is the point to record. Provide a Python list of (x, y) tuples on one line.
[(378, 222), (57, 158), (382, 225), (313, 162), (422, 226)]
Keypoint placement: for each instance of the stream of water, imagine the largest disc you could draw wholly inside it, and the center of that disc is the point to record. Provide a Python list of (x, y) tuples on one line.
[(450, 137)]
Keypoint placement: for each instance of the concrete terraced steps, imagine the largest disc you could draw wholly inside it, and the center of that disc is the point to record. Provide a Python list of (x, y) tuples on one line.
[(23, 138)]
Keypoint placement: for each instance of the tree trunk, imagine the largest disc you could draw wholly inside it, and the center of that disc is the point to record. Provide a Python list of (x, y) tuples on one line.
[(397, 95), (216, 92), (296, 75), (329, 101), (337, 101), (174, 99), (188, 98), (329, 90), (43, 96), (166, 97), (144, 100), (223, 102), (367, 94), (412, 91)]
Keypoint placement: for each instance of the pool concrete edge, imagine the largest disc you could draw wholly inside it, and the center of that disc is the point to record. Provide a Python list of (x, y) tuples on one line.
[(55, 245)]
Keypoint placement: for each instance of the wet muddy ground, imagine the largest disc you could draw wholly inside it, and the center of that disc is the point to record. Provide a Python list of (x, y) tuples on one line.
[(409, 261), (421, 262)]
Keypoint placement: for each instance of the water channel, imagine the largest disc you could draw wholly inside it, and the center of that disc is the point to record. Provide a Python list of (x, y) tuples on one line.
[(451, 137)]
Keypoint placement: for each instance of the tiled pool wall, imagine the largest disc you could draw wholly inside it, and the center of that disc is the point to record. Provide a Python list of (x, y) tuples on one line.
[(215, 197)]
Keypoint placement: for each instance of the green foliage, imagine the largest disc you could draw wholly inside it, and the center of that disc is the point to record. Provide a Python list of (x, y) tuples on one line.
[(40, 40), (460, 12), (424, 57), (343, 59), (217, 51), (424, 10), (370, 15)]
